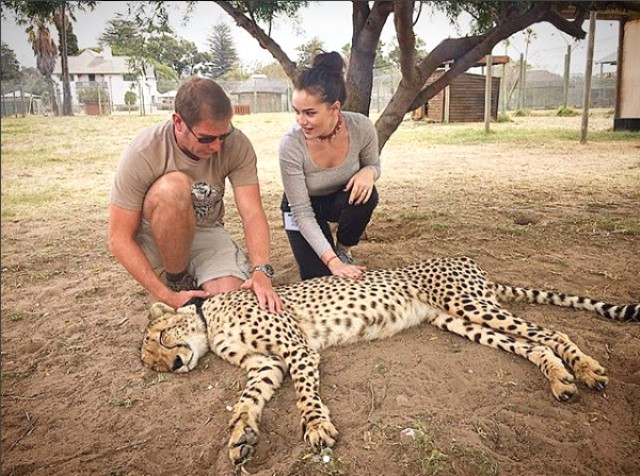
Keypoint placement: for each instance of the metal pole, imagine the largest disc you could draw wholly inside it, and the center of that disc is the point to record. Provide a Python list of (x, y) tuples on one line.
[(447, 99), (521, 91), (503, 84), (587, 79), (567, 65)]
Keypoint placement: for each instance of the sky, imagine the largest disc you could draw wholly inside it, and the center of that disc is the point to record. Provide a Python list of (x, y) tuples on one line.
[(331, 23)]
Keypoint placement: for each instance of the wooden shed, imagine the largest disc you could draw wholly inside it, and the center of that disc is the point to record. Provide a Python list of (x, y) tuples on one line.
[(464, 99)]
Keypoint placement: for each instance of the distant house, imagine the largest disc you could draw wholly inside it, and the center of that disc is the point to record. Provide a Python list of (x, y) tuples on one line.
[(611, 60), (21, 103), (260, 93), (166, 100), (113, 73)]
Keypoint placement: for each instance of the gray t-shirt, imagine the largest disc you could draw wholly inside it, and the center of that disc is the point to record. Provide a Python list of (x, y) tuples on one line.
[(155, 152), (302, 178)]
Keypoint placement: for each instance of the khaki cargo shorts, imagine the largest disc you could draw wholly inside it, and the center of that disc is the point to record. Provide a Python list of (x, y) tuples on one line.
[(213, 254)]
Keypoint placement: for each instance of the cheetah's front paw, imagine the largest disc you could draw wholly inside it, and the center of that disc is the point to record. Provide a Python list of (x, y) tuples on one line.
[(594, 375), (320, 434), (243, 441), (562, 384)]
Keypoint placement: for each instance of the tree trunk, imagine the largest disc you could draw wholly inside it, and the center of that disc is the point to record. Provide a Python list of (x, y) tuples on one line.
[(52, 96), (367, 28), (64, 63), (463, 53)]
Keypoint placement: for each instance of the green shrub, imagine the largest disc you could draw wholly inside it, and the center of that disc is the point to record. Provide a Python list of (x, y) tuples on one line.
[(567, 112), (130, 98)]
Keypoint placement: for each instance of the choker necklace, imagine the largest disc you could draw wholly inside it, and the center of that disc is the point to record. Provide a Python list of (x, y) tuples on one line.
[(334, 132)]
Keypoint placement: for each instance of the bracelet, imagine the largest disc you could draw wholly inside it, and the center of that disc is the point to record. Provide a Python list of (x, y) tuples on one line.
[(329, 260)]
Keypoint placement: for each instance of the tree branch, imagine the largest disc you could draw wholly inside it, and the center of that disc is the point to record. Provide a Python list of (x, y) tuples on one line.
[(467, 51), (573, 28), (359, 17), (403, 20), (264, 40)]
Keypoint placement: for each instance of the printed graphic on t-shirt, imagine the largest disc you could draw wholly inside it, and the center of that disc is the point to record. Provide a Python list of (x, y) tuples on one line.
[(207, 203)]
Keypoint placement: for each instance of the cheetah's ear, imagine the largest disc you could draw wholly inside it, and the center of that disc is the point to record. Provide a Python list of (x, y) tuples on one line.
[(159, 309)]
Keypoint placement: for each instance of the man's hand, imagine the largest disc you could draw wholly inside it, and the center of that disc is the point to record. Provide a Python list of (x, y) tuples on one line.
[(176, 300), (261, 285)]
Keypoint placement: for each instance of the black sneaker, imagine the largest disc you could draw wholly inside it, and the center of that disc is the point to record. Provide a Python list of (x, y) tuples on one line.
[(345, 257), (186, 283)]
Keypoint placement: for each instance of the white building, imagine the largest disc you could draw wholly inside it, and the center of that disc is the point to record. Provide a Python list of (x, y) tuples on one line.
[(113, 73)]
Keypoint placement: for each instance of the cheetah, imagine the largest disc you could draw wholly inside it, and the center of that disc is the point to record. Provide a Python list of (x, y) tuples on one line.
[(452, 294)]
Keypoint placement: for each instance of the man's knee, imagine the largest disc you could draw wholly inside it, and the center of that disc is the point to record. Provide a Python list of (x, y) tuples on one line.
[(222, 285), (172, 191)]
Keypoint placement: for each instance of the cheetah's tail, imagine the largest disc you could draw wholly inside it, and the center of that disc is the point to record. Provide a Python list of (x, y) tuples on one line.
[(627, 313)]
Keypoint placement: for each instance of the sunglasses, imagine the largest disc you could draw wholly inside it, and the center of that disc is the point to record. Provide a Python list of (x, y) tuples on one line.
[(209, 139)]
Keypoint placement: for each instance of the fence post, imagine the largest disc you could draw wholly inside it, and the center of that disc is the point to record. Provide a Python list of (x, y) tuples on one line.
[(587, 78), (567, 66), (521, 91), (487, 93)]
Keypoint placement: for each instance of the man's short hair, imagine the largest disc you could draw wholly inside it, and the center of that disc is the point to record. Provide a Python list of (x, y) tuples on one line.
[(198, 99)]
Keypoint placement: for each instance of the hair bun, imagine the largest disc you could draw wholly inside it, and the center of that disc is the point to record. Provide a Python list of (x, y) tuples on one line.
[(329, 61)]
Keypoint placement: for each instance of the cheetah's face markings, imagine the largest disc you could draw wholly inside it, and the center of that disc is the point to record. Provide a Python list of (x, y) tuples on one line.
[(172, 341)]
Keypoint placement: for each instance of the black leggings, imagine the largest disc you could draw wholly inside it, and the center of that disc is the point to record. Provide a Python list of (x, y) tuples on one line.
[(352, 221)]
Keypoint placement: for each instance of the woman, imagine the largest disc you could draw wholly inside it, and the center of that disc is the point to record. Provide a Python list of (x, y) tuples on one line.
[(329, 162)]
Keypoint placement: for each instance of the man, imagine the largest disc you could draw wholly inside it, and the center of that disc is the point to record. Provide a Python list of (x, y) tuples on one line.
[(166, 207)]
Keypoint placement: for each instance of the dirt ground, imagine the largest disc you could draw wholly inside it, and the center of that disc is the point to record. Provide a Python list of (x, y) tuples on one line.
[(550, 214)]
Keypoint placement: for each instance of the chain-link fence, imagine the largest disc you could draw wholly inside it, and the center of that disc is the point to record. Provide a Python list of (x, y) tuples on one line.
[(538, 94), (548, 93)]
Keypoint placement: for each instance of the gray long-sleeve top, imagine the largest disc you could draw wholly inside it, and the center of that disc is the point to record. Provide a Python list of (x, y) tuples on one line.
[(303, 179)]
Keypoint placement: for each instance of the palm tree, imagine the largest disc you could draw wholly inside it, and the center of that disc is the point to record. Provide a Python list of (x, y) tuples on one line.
[(46, 54)]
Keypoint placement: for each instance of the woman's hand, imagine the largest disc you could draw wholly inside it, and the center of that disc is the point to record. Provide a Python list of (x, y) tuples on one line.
[(344, 270), (361, 186)]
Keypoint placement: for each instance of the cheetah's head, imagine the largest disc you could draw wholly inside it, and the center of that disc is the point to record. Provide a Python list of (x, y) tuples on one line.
[(174, 340)]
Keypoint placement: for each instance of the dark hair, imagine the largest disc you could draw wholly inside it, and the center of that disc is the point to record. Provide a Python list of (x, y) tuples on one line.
[(201, 98), (325, 78)]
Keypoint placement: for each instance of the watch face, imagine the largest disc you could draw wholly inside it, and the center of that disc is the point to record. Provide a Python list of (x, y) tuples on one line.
[(266, 269)]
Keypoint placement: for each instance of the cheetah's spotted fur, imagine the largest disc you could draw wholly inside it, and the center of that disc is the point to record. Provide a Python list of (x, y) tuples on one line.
[(450, 293)]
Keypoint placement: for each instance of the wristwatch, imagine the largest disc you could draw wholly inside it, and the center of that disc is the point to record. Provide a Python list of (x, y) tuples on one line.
[(266, 269)]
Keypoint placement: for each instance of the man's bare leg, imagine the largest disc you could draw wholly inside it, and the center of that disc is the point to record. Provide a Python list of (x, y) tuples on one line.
[(169, 210)]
